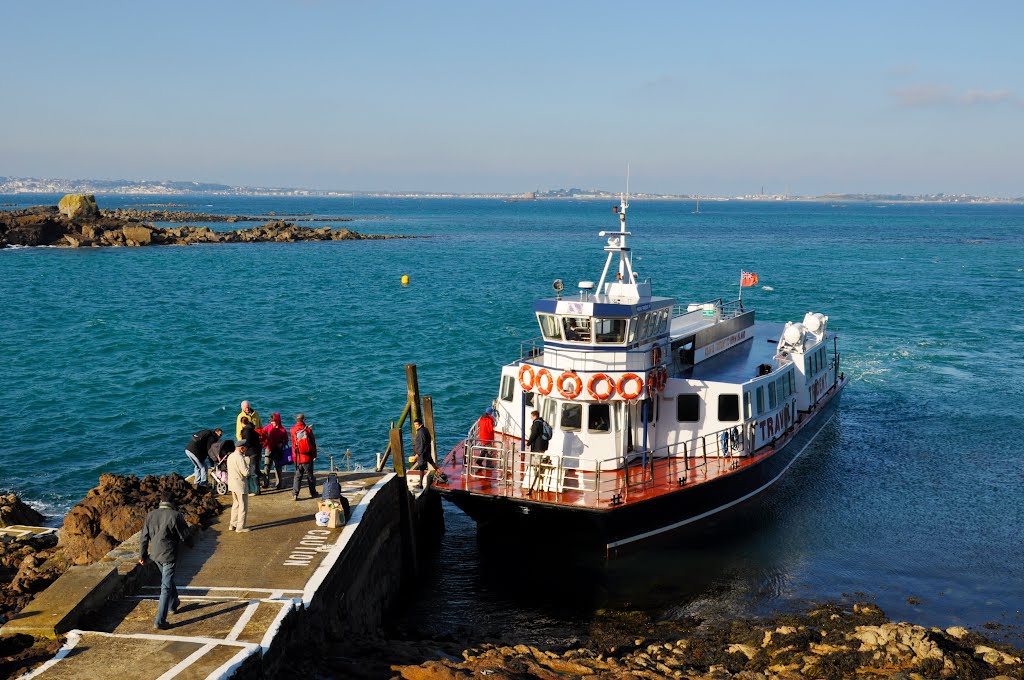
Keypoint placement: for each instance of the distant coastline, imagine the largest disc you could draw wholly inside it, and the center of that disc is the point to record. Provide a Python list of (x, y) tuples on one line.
[(166, 188)]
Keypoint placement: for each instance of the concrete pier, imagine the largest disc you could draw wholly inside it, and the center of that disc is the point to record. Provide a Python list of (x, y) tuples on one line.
[(245, 597)]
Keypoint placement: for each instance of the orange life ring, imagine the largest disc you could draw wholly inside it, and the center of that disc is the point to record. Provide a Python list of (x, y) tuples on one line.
[(602, 395), (652, 382), (526, 377), (577, 385), (633, 394), (544, 381)]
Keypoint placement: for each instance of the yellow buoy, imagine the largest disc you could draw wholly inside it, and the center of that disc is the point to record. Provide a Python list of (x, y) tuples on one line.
[(405, 279)]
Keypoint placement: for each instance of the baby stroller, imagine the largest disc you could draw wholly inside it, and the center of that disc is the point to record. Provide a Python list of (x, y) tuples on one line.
[(219, 452)]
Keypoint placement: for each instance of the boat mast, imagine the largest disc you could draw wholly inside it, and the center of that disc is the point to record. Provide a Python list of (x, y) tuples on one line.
[(617, 244)]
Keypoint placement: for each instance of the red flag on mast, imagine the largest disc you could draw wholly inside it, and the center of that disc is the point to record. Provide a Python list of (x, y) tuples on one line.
[(748, 279)]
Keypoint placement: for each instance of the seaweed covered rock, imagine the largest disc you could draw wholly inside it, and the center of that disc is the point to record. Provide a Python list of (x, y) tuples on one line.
[(78, 206), (115, 510), (27, 566)]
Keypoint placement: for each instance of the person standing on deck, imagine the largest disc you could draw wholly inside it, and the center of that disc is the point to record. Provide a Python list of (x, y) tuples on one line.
[(247, 412), (421, 449), (162, 532), (304, 453), (238, 485), (254, 445), (485, 437), (537, 442), (275, 437), (198, 451)]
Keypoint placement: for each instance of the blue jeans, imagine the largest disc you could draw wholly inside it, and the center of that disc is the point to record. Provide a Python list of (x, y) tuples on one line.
[(168, 593), (200, 477)]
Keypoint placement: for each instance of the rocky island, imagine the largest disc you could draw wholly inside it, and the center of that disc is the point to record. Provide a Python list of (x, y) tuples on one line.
[(78, 222)]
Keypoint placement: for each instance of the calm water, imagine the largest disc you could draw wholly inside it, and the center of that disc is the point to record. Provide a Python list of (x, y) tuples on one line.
[(112, 358)]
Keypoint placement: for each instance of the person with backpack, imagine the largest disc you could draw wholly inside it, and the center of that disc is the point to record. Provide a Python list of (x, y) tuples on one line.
[(275, 437), (198, 451), (540, 434), (304, 452)]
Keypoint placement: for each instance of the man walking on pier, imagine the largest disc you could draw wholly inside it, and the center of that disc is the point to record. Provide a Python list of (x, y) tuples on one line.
[(304, 453), (163, 531), (421, 449)]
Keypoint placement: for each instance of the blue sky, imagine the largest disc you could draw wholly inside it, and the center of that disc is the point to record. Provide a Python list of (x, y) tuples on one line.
[(710, 98)]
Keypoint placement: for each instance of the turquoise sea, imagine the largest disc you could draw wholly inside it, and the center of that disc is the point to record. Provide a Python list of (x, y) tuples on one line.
[(113, 357)]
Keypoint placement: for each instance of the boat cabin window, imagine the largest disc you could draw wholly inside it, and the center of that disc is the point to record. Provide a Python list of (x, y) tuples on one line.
[(772, 401), (792, 383), (550, 327), (645, 327), (508, 386), (547, 411), (572, 417), (610, 330), (528, 398), (688, 408), (650, 412), (634, 323), (728, 408), (746, 405), (598, 418), (760, 400), (577, 328), (662, 321)]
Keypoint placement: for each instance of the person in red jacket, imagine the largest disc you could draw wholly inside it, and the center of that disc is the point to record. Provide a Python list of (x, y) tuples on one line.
[(304, 453), (485, 437), (274, 438)]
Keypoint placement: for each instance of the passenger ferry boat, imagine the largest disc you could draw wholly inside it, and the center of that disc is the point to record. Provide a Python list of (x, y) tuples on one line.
[(661, 415)]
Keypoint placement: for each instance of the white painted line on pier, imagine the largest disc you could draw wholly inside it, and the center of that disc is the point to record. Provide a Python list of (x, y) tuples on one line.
[(239, 626), (186, 662), (317, 579), (728, 505), (228, 668), (174, 638), (73, 638), (276, 624)]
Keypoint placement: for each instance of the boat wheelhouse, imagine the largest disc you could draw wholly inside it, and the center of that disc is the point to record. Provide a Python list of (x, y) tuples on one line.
[(661, 414)]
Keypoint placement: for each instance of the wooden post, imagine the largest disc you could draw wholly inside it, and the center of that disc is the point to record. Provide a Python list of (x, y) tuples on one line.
[(387, 451), (396, 449), (413, 390)]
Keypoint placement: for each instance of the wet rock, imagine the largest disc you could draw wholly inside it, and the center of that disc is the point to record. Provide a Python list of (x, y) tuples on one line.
[(14, 511), (138, 235)]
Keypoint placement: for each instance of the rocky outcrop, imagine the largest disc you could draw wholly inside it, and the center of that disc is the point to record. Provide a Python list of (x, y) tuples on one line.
[(184, 216), (115, 510), (828, 642), (79, 207), (14, 511), (51, 226)]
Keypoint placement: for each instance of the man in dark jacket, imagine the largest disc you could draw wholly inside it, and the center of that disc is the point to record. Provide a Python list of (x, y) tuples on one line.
[(164, 530), (198, 449), (253, 444), (536, 442), (421, 448)]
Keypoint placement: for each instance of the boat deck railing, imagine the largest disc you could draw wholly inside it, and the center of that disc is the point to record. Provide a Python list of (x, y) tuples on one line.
[(504, 469), (727, 310)]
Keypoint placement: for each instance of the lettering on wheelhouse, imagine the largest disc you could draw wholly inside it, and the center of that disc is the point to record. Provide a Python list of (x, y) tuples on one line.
[(723, 344), (775, 425)]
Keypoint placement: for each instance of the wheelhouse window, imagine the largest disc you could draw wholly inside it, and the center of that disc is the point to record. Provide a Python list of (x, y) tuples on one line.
[(598, 418), (663, 316), (550, 327), (688, 408), (572, 417), (772, 401), (508, 385), (728, 408), (610, 331), (634, 323), (576, 328), (760, 400), (746, 405)]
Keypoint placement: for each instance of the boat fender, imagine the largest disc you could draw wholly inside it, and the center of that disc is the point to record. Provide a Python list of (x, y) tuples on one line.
[(526, 377), (574, 386), (632, 393), (656, 356), (595, 383), (545, 382), (657, 379)]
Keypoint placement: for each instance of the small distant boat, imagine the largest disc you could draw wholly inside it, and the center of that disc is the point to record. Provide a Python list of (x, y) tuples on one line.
[(661, 415), (697, 211)]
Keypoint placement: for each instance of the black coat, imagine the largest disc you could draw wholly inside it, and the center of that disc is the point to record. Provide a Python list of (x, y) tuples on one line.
[(421, 447), (163, 531), (252, 440), (536, 442), (200, 443)]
